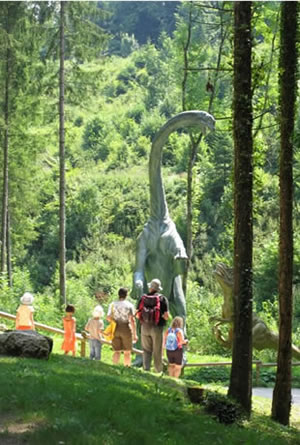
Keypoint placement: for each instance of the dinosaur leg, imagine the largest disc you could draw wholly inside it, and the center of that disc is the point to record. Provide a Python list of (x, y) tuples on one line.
[(177, 301), (139, 282)]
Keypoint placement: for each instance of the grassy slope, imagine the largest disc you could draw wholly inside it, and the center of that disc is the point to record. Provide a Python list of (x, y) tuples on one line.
[(76, 401)]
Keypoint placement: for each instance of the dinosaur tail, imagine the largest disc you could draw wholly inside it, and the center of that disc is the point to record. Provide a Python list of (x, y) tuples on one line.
[(295, 349), (226, 342), (295, 352), (271, 341)]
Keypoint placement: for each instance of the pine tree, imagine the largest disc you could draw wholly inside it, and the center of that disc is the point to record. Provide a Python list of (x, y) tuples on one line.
[(281, 405), (79, 38), (62, 206), (14, 24), (241, 371)]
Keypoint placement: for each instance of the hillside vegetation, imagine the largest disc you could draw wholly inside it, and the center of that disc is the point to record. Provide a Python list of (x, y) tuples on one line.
[(116, 100)]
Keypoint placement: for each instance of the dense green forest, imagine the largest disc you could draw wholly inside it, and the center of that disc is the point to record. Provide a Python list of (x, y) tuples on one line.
[(129, 67)]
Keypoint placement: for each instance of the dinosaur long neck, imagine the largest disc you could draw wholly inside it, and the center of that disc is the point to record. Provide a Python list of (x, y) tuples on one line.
[(158, 203)]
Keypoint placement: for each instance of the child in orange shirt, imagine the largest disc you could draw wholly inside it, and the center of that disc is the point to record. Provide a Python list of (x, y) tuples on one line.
[(173, 341), (24, 318), (69, 343)]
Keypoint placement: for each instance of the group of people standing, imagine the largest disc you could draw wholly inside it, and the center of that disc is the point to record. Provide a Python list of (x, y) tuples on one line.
[(152, 311)]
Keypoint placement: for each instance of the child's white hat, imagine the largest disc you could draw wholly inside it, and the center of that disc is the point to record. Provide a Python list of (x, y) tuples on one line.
[(98, 312), (27, 298)]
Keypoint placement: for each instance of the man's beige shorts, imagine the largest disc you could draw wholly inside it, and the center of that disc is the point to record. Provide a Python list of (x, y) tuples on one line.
[(122, 340)]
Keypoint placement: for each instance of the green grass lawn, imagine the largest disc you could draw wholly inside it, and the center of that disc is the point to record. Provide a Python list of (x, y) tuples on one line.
[(72, 401)]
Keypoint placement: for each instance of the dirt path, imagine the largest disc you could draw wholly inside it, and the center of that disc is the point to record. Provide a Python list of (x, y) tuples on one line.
[(14, 431)]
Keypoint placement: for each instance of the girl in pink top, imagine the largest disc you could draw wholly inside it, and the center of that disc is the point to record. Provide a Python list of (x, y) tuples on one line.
[(24, 318), (69, 343)]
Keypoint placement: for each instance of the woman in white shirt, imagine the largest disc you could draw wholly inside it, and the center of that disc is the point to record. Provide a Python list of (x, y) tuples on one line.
[(122, 311)]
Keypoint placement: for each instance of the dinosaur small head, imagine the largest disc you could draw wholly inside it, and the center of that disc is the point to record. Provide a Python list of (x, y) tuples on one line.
[(224, 275)]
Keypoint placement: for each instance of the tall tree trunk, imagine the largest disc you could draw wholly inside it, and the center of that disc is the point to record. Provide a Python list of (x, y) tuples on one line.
[(189, 197), (192, 157), (241, 371), (281, 404), (186, 47), (5, 160), (8, 250), (62, 210)]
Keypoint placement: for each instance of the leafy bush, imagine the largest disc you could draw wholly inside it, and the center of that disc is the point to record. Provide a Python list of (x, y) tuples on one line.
[(266, 271), (47, 310), (267, 377), (224, 409), (209, 374), (151, 123), (10, 296), (136, 112), (201, 305), (94, 139)]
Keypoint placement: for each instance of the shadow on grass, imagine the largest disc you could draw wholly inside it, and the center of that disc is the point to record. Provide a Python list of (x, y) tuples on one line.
[(82, 402)]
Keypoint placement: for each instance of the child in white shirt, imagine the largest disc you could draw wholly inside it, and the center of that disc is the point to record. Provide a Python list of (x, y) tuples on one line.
[(24, 318), (95, 326)]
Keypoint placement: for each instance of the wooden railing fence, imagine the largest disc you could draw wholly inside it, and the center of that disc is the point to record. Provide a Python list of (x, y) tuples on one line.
[(58, 331), (258, 364)]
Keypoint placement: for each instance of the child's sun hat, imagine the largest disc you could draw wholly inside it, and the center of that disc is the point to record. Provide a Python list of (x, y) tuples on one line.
[(98, 312), (27, 298)]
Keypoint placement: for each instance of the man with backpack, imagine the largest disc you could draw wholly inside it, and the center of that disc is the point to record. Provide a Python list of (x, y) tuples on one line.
[(152, 312)]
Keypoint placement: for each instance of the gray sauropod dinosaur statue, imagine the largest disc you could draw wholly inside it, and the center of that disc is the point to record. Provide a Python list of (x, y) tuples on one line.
[(262, 336), (160, 252)]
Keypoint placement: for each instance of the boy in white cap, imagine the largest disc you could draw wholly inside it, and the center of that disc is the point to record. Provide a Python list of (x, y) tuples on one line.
[(95, 326), (24, 318)]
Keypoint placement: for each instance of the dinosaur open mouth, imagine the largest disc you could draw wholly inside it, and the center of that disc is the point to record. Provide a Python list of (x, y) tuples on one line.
[(223, 273), (219, 270)]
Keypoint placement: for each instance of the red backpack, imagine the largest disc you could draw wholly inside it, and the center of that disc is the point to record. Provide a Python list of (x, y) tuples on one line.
[(149, 309)]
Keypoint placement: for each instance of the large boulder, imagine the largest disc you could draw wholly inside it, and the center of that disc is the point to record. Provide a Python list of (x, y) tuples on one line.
[(25, 344)]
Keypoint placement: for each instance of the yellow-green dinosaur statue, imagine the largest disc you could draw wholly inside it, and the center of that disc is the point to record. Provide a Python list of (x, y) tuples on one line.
[(262, 336)]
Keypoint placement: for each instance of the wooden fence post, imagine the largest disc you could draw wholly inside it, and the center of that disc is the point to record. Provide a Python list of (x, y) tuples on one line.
[(82, 347), (257, 373)]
